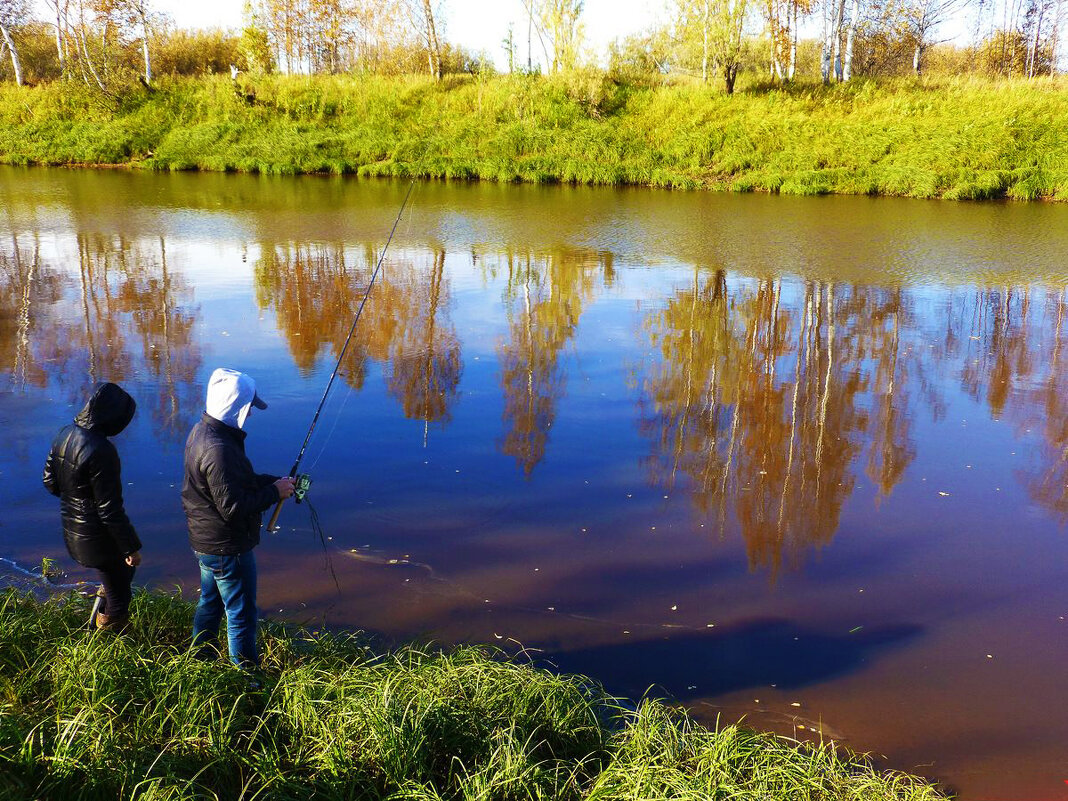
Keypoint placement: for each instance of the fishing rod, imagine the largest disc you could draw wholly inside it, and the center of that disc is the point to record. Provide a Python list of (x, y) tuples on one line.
[(303, 481)]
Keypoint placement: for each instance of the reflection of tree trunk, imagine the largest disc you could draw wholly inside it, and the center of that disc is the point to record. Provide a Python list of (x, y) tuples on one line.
[(431, 322), (1057, 338), (826, 385), (680, 430), (22, 346), (85, 275), (168, 372), (793, 404), (528, 346), (888, 413)]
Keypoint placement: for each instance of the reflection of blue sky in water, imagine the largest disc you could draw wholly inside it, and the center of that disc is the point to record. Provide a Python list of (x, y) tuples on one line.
[(617, 431)]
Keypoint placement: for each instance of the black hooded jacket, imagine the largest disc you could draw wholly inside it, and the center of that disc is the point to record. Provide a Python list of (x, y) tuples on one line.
[(83, 469), (224, 498)]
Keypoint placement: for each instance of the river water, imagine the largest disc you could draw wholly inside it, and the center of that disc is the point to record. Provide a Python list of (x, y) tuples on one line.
[(797, 461)]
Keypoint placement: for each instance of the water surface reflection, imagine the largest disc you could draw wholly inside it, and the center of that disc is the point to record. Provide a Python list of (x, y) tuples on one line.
[(756, 451)]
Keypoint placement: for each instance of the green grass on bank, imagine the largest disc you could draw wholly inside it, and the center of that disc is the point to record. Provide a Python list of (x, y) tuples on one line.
[(94, 716), (965, 139)]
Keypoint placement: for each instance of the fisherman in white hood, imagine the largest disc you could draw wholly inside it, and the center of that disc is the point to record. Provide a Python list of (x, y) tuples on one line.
[(224, 501)]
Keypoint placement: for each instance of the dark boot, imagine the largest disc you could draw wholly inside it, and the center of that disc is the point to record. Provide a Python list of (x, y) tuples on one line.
[(114, 623)]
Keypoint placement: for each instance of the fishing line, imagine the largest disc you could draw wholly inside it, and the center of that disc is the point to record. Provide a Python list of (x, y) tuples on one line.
[(318, 529), (333, 428), (341, 356)]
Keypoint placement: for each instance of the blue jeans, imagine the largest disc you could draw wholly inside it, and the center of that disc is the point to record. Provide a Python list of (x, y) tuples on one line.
[(228, 583)]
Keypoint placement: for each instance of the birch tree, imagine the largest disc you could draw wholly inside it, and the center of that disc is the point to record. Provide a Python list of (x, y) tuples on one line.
[(783, 17), (729, 25), (139, 14), (710, 32), (58, 11), (1055, 40), (558, 27), (13, 13), (846, 71), (425, 21), (925, 18), (833, 13)]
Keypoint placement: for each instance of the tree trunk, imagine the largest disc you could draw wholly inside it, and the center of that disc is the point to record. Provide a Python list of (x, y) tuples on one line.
[(917, 58), (704, 52), (88, 61), (59, 40), (1032, 62), (838, 41), (1055, 38), (854, 18), (432, 41), (730, 74), (775, 36), (144, 50), (16, 65), (793, 44), (830, 34)]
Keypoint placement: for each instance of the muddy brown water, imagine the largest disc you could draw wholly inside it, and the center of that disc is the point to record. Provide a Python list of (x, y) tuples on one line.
[(797, 461)]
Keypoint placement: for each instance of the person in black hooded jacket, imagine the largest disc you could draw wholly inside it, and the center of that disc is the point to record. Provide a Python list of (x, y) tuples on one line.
[(84, 471)]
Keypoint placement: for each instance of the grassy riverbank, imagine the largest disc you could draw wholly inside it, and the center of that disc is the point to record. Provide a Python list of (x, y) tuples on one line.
[(91, 716), (967, 139)]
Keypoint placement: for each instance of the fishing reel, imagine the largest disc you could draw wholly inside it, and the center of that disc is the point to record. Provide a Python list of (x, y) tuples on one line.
[(301, 485)]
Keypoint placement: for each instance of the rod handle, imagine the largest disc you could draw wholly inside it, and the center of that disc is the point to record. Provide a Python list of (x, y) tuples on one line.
[(274, 517)]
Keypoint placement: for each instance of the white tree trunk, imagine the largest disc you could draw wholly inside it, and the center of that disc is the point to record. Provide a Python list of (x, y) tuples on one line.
[(432, 41), (830, 34), (1032, 62), (16, 65), (847, 64), (793, 45), (704, 37), (59, 40), (838, 41), (144, 50), (1055, 38)]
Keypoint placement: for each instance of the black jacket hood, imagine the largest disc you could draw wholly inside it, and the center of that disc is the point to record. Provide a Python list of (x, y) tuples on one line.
[(108, 411)]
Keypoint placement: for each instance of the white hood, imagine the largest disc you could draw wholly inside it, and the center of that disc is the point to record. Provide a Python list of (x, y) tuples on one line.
[(230, 395)]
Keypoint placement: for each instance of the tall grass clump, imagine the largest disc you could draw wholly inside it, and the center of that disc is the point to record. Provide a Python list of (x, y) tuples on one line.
[(87, 715)]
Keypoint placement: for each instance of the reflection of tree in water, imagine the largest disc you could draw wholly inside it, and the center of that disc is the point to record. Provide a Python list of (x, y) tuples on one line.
[(316, 294), (1011, 348), (152, 294), (425, 367), (28, 289), (544, 298), (121, 288), (755, 402)]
